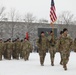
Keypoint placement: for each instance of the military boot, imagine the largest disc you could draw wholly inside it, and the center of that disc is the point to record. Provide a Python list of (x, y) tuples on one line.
[(65, 67), (52, 62), (61, 63), (41, 61)]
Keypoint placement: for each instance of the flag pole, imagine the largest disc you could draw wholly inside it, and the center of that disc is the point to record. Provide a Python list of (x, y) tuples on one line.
[(52, 25), (53, 16)]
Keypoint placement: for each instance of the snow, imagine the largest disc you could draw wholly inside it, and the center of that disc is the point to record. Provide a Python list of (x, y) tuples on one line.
[(33, 67)]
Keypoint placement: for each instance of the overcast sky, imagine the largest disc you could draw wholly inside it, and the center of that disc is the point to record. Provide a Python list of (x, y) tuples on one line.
[(39, 8)]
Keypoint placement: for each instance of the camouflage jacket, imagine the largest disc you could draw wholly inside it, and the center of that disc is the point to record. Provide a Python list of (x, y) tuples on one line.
[(1, 47), (51, 41), (65, 43), (44, 43), (9, 45), (26, 46)]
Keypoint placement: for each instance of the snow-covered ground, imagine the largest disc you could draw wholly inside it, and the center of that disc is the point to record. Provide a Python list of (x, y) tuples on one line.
[(32, 67)]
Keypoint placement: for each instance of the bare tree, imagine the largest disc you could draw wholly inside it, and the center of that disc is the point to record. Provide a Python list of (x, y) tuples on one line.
[(65, 17), (18, 17), (12, 15), (2, 14), (2, 10), (29, 18)]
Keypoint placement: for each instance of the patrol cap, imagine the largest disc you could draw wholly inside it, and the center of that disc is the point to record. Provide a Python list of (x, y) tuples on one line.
[(61, 32), (17, 37), (51, 31), (65, 29), (42, 32), (9, 39), (24, 38)]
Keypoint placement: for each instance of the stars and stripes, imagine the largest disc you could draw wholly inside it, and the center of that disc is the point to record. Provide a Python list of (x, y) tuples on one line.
[(53, 16)]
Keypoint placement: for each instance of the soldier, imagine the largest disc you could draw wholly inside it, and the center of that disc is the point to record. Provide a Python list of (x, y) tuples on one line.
[(42, 47), (26, 49), (17, 47), (1, 48), (52, 46), (5, 51), (8, 49), (65, 44), (14, 49)]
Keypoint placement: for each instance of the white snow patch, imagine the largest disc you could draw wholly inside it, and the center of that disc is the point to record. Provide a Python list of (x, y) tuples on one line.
[(33, 67)]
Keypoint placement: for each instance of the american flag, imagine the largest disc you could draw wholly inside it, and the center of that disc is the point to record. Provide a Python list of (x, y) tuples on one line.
[(53, 16)]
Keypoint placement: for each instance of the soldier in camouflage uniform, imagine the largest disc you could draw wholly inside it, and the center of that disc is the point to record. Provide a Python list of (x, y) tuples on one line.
[(42, 47), (1, 48), (52, 46), (8, 49), (65, 44), (5, 51), (26, 49), (16, 49)]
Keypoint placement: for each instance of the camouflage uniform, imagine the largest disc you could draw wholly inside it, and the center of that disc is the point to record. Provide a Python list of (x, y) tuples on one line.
[(65, 44), (1, 49), (42, 48), (52, 48), (26, 49), (8, 50), (5, 51), (16, 49)]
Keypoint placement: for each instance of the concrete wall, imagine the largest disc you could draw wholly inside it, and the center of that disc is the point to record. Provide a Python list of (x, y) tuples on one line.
[(20, 28)]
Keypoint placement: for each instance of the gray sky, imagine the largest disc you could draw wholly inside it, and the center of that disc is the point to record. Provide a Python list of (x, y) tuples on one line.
[(39, 8)]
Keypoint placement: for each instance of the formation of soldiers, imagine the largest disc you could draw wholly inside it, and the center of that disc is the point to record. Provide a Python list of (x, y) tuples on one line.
[(63, 44), (16, 49)]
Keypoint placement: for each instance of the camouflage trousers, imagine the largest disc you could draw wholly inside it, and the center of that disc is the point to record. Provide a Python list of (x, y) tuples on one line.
[(52, 51), (8, 54), (5, 54), (0, 56), (26, 54), (21, 54), (15, 54), (42, 54), (65, 57)]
